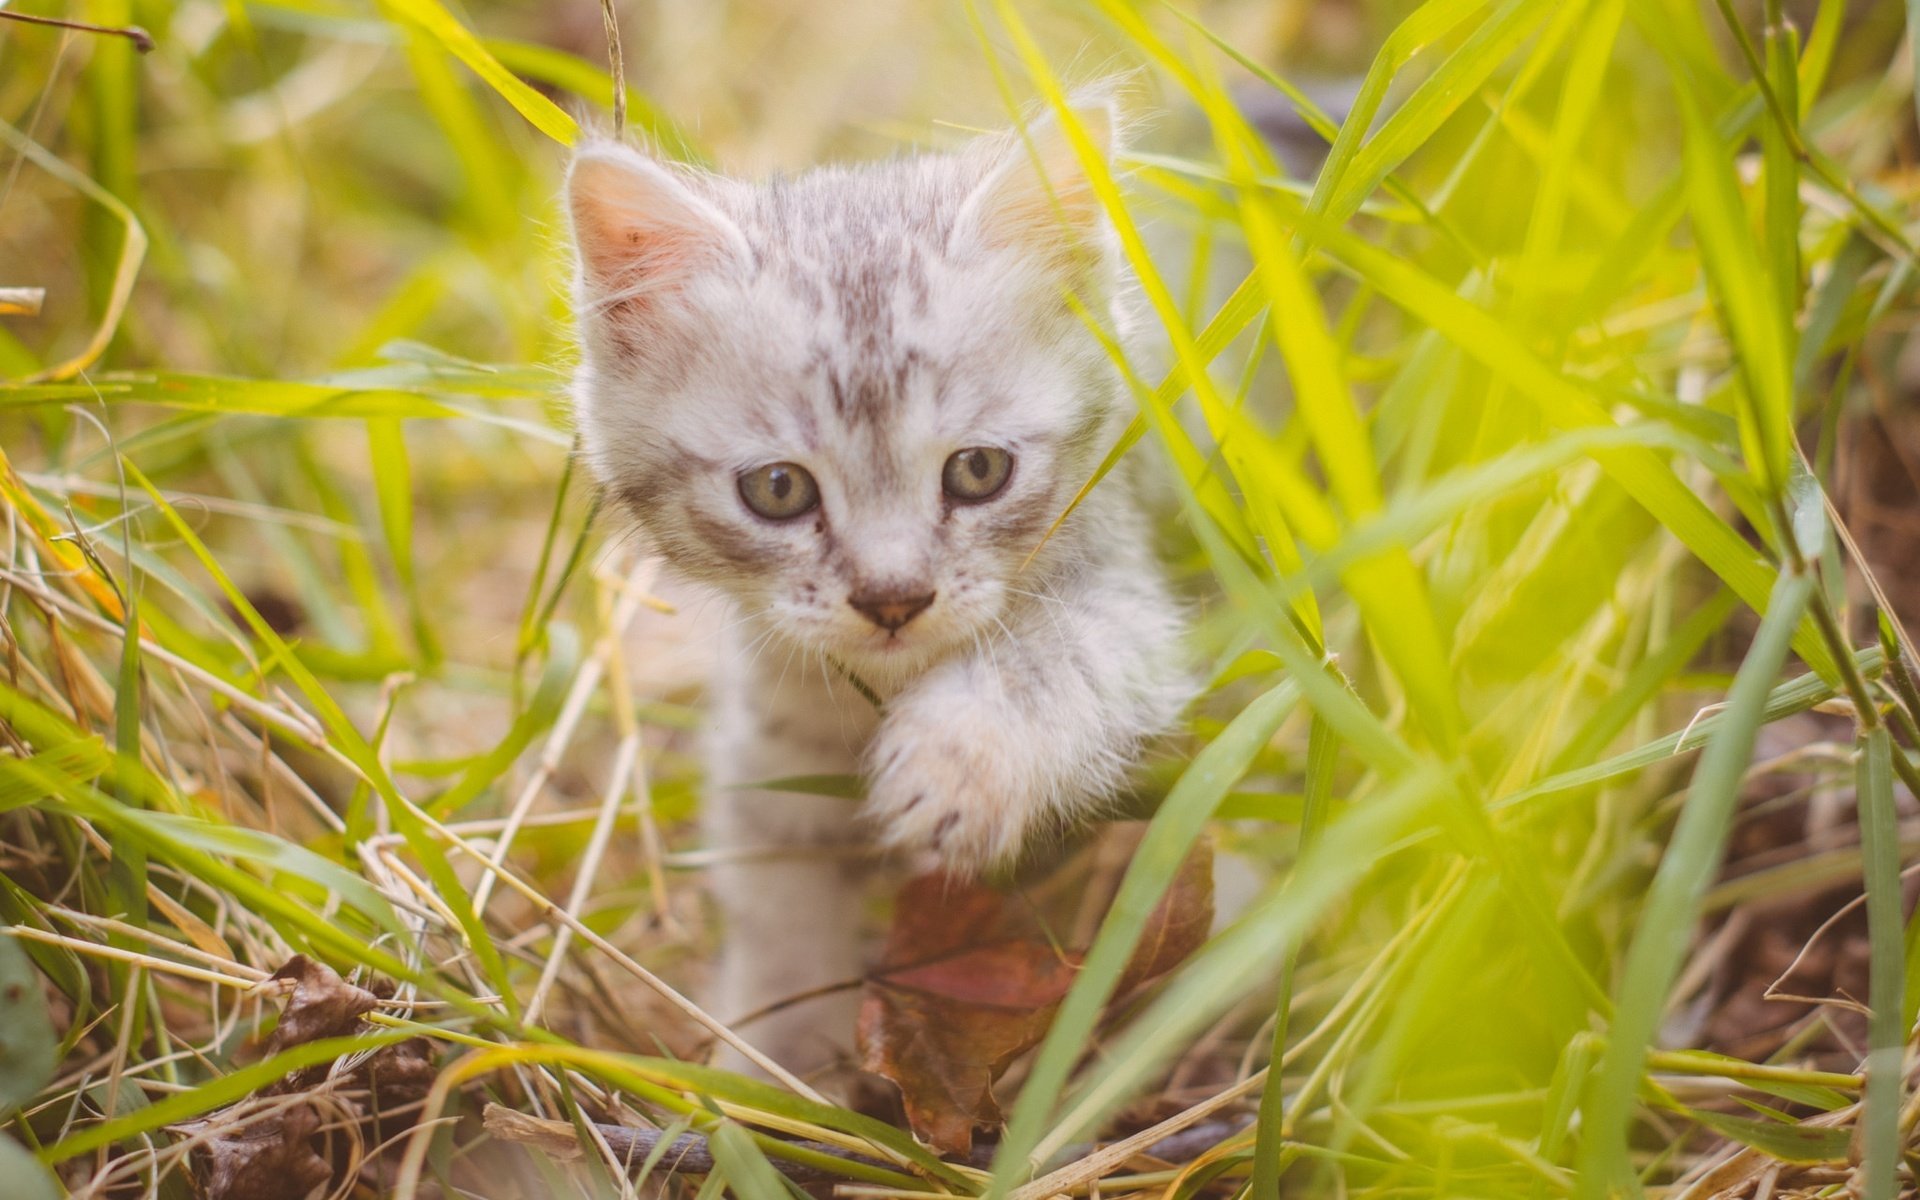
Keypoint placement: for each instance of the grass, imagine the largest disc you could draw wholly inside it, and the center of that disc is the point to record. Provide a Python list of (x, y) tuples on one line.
[(1522, 459)]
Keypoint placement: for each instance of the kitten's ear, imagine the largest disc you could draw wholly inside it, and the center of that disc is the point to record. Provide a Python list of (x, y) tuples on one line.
[(1036, 196), (640, 228)]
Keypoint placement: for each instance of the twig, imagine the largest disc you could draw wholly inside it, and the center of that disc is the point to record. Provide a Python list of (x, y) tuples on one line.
[(639, 579), (616, 68), (161, 940), (161, 965), (141, 39), (589, 869), (1085, 1168), (627, 721)]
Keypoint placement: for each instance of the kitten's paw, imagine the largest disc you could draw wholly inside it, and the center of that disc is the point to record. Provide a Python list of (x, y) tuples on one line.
[(957, 786)]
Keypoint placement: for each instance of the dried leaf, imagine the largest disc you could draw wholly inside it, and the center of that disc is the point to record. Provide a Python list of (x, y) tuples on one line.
[(268, 1159), (968, 984), (397, 1079), (556, 1139), (943, 1030), (245, 1156), (322, 1004)]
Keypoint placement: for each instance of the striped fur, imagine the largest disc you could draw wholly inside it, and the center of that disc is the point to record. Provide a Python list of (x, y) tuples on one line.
[(866, 323)]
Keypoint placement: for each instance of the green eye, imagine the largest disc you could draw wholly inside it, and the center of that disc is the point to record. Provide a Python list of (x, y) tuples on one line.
[(976, 473), (779, 491)]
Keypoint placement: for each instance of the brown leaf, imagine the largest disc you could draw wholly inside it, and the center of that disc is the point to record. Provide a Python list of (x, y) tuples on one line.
[(968, 984), (943, 1030), (276, 1157), (397, 1079), (322, 1004), (270, 1159), (1178, 925)]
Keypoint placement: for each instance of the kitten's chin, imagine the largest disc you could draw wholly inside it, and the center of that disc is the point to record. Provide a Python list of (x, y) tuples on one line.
[(892, 657)]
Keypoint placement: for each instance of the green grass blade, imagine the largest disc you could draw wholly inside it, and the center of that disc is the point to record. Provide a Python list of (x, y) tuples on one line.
[(392, 470), (1913, 47), (1745, 293), (1322, 751), (1673, 901), (1643, 681), (133, 239), (1887, 1031), (1651, 482), (433, 20), (1170, 836), (545, 64), (1390, 591), (1782, 170), (1338, 195), (129, 871), (749, 1175), (1241, 957), (1580, 96), (1426, 24), (1235, 314), (1794, 696)]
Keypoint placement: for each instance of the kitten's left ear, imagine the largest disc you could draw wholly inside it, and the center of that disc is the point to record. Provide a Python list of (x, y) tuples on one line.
[(1036, 196)]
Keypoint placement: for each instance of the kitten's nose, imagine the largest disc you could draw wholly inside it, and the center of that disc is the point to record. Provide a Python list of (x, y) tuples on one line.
[(890, 609)]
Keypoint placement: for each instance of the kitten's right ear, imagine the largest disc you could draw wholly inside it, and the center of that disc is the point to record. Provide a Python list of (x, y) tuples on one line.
[(640, 228)]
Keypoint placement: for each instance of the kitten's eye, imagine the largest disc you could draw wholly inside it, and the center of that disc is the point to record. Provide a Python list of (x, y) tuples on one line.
[(976, 473), (779, 491)]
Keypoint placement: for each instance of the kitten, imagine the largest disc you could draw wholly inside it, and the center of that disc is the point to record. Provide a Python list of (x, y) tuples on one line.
[(853, 402)]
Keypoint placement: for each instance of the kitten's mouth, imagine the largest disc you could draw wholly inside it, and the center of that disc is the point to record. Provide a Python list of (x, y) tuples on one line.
[(893, 645)]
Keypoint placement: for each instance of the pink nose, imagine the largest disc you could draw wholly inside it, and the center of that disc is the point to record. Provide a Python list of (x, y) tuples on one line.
[(890, 610)]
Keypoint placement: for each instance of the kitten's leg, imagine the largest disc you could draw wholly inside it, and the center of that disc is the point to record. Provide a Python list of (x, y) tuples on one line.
[(791, 867), (1030, 730)]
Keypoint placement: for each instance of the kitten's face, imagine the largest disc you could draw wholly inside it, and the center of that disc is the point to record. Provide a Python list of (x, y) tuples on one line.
[(854, 401)]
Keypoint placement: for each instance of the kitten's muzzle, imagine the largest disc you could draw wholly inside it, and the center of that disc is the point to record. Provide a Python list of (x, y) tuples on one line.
[(891, 609)]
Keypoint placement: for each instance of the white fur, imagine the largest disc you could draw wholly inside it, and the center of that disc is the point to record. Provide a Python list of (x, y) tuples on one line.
[(866, 324)]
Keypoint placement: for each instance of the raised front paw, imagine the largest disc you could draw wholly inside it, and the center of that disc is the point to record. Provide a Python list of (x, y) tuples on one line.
[(957, 785)]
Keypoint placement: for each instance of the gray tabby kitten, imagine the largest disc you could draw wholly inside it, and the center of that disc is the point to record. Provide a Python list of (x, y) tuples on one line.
[(853, 402)]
